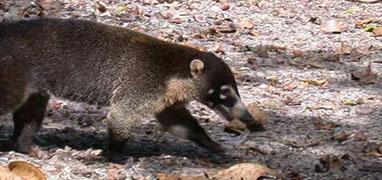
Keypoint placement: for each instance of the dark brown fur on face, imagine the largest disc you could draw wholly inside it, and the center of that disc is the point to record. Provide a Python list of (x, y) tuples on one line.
[(89, 62)]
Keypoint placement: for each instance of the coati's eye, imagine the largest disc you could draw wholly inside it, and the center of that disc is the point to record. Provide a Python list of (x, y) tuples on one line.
[(225, 92)]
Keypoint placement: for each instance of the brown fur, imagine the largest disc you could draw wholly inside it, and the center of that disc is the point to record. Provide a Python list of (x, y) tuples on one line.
[(90, 62)]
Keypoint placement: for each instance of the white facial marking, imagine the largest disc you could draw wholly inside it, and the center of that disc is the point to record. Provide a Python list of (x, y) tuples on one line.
[(224, 88), (210, 91)]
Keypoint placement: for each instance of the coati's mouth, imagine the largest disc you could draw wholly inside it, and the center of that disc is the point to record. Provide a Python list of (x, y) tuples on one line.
[(239, 112), (231, 107)]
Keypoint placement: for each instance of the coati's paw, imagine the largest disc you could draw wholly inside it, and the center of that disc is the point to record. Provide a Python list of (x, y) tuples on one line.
[(256, 127), (212, 146), (115, 146)]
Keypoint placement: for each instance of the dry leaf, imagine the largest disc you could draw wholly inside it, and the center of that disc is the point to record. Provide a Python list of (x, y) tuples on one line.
[(6, 174), (360, 136), (369, 1), (257, 113), (359, 52), (238, 127), (231, 28), (224, 6), (332, 26), (219, 48), (48, 4), (115, 171), (176, 20), (324, 105), (343, 48), (254, 33), (363, 22), (291, 101), (101, 7), (378, 31), (273, 80), (164, 176), (341, 136), (352, 102), (246, 24), (26, 170), (365, 77), (290, 86), (322, 125), (315, 82), (329, 162), (246, 171), (373, 149)]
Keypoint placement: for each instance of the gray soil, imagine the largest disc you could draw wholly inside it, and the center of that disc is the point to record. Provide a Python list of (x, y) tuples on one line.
[(328, 128)]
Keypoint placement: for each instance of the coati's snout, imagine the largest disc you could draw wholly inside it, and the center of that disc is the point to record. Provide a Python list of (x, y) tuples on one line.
[(219, 92), (227, 103)]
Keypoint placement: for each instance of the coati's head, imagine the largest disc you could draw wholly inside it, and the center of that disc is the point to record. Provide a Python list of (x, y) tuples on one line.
[(218, 90)]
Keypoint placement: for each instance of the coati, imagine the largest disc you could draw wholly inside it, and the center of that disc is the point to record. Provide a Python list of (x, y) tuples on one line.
[(131, 72)]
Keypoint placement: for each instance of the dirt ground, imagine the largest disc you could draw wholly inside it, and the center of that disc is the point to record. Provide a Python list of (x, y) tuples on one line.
[(324, 104)]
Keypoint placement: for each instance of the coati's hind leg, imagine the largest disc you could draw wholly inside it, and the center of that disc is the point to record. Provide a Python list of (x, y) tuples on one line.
[(178, 121), (12, 87), (28, 119)]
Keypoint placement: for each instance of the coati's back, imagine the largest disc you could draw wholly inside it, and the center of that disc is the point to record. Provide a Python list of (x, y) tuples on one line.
[(86, 61)]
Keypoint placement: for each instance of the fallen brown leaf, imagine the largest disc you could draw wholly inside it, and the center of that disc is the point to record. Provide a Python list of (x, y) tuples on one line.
[(219, 48), (231, 28), (341, 136), (254, 33), (48, 4), (378, 31), (26, 170), (164, 176), (238, 127), (332, 26), (224, 6), (6, 174), (360, 136), (352, 102), (291, 86), (365, 77), (101, 7), (329, 162), (315, 82), (246, 171), (364, 22), (359, 52), (322, 125), (246, 24), (176, 20)]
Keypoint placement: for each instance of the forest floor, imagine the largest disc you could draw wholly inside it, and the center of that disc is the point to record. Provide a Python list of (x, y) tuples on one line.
[(304, 62)]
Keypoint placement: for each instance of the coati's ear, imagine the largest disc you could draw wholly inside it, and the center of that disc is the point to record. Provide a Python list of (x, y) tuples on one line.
[(196, 67)]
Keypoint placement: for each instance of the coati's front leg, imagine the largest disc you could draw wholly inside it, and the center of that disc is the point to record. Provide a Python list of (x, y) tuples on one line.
[(121, 123), (27, 121), (178, 121)]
